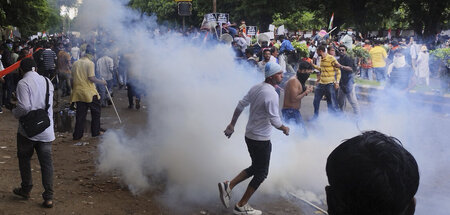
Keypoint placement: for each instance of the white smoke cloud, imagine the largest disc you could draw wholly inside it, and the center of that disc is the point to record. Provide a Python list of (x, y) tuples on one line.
[(192, 90)]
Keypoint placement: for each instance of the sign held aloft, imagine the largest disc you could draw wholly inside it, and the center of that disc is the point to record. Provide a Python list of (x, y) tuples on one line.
[(217, 17), (251, 30)]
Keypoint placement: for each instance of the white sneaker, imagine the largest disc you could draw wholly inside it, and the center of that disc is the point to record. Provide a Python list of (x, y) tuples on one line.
[(225, 193), (246, 209)]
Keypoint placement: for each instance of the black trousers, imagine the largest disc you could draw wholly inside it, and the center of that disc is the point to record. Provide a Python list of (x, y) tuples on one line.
[(133, 91), (260, 154), (25, 150), (82, 108)]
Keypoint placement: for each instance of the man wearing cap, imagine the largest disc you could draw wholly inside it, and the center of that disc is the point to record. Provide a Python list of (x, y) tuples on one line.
[(264, 114)]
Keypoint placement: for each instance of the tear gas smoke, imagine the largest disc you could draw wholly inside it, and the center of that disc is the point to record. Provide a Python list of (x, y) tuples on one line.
[(192, 90)]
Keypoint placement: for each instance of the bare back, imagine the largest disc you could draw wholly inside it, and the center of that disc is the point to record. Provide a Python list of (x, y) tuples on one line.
[(291, 91)]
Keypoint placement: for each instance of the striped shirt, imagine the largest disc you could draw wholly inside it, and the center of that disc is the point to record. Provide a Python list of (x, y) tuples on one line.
[(328, 73), (48, 58)]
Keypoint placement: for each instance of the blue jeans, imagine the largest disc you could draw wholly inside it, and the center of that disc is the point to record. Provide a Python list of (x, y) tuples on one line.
[(367, 73), (25, 150), (291, 115), (380, 73), (330, 93)]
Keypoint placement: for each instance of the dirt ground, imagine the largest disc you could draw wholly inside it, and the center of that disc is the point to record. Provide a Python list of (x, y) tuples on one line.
[(80, 190)]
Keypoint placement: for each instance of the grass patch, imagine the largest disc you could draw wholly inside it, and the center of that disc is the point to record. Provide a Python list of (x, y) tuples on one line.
[(357, 81), (366, 82)]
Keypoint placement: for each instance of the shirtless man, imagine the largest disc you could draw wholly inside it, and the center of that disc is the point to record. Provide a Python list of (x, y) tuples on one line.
[(294, 91)]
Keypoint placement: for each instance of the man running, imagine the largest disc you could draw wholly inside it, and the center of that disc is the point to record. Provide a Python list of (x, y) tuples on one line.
[(264, 113)]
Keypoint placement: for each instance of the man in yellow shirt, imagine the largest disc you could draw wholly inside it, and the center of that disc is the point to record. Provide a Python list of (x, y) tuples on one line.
[(379, 55), (85, 94), (328, 81)]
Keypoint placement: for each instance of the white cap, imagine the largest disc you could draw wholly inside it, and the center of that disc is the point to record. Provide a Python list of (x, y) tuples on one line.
[(271, 69)]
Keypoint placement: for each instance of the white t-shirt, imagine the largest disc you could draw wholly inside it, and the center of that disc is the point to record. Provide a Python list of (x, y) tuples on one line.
[(264, 111), (75, 52)]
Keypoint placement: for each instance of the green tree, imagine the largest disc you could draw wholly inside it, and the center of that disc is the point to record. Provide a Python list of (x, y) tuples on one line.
[(163, 9), (257, 13), (299, 20), (364, 15), (30, 16), (428, 15)]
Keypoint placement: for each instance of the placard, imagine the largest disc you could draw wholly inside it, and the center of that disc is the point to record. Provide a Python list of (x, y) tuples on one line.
[(217, 17), (280, 30), (251, 30), (271, 27), (223, 17)]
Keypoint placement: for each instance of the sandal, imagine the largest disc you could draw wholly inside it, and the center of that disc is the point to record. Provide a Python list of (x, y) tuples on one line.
[(20, 192), (47, 204)]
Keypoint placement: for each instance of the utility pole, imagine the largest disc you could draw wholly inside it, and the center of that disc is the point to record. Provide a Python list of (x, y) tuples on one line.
[(214, 6)]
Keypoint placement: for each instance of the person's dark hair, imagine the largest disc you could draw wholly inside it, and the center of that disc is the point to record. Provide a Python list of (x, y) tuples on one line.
[(273, 49), (47, 45), (321, 48), (371, 174), (394, 43), (27, 64), (281, 37), (303, 65), (343, 46), (89, 50), (249, 51)]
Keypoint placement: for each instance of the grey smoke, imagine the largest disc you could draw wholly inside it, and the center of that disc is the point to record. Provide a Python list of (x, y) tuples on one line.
[(192, 90)]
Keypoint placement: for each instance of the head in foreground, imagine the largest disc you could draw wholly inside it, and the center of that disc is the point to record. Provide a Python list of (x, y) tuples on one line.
[(371, 174)]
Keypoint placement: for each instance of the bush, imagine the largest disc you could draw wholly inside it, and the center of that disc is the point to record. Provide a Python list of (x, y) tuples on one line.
[(302, 49), (442, 54), (359, 52)]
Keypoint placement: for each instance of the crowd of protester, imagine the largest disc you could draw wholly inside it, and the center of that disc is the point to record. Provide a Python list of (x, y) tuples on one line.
[(398, 63), (55, 57)]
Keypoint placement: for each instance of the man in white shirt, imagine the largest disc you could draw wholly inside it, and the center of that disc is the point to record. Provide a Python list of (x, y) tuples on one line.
[(268, 57), (75, 52), (31, 92), (105, 67), (347, 40), (264, 113)]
